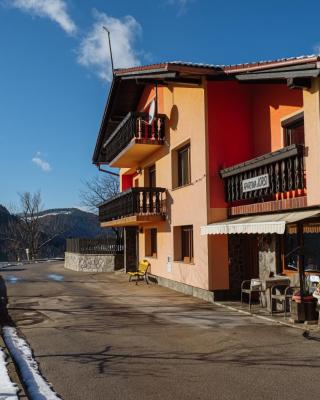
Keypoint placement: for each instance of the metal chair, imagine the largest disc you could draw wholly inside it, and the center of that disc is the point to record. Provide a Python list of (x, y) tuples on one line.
[(252, 286), (283, 294)]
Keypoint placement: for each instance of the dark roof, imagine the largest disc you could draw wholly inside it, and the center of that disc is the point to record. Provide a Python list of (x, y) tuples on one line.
[(125, 92), (197, 67)]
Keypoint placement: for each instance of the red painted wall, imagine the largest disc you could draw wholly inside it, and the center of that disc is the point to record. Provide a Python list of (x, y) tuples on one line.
[(126, 182), (229, 132), (244, 121)]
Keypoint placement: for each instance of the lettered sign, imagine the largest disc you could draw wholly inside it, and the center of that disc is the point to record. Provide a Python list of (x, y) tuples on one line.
[(256, 183)]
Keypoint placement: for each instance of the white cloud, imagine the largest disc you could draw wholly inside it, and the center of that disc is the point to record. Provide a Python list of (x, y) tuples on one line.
[(94, 53), (316, 49), (56, 10), (41, 163), (182, 5)]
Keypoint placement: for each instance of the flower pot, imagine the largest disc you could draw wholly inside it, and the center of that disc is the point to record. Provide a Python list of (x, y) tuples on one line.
[(304, 311)]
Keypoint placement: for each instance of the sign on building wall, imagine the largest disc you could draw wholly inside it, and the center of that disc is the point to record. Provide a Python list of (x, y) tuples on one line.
[(256, 183)]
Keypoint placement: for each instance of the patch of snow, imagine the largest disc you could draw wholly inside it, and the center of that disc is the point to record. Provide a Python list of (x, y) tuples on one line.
[(12, 279), (8, 389), (53, 213), (56, 277), (37, 387), (6, 264)]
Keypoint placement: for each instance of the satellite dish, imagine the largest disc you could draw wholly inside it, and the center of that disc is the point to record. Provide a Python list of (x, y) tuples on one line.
[(152, 110)]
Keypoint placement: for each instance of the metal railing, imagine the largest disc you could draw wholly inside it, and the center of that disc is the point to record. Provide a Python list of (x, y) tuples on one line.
[(134, 125), (135, 201), (283, 168), (94, 246)]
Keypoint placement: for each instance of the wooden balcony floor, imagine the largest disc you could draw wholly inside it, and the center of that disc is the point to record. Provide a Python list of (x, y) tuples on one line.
[(134, 153), (133, 220)]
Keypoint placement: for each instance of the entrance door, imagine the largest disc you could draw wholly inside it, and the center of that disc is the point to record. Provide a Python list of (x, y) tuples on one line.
[(252, 256), (131, 248), (243, 259)]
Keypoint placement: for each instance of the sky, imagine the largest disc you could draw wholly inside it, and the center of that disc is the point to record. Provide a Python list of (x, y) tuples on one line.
[(55, 71)]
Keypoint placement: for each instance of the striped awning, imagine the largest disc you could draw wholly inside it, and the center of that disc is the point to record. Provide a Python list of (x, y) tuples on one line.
[(267, 223)]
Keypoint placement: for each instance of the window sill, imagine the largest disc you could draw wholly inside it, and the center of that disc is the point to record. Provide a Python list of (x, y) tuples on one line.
[(184, 262), (181, 187)]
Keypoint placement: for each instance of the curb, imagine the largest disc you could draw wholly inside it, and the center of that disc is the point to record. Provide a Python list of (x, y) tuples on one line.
[(12, 369), (303, 328)]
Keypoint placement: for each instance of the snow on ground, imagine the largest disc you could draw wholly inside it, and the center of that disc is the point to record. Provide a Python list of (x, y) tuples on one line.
[(8, 389), (37, 387), (4, 265)]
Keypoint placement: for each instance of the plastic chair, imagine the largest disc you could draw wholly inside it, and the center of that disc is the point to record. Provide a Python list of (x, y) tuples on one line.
[(141, 273)]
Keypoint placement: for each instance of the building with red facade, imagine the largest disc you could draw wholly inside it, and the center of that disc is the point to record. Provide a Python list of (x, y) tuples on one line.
[(219, 170)]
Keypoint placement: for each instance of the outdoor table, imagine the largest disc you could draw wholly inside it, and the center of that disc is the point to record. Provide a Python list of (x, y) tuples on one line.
[(268, 283)]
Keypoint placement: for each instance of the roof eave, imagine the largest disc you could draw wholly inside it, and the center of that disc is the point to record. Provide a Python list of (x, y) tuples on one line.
[(95, 157)]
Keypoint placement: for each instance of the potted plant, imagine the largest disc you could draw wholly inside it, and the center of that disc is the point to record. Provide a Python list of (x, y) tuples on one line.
[(304, 308)]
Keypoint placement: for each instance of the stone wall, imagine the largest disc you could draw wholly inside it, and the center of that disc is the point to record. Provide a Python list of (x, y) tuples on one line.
[(267, 256), (203, 294), (93, 262)]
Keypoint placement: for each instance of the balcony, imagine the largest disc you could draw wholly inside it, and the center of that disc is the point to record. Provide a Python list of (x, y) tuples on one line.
[(265, 177), (133, 140), (135, 206)]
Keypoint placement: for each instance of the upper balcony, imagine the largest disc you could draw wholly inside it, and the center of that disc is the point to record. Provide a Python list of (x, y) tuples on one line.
[(134, 139), (266, 177), (135, 206)]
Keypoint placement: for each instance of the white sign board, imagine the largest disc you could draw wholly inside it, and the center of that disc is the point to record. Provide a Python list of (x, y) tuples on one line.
[(256, 183)]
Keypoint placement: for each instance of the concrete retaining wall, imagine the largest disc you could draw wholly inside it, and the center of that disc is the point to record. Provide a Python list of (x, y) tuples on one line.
[(203, 294), (93, 262)]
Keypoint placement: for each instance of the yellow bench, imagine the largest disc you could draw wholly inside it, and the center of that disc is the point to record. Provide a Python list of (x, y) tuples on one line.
[(141, 273)]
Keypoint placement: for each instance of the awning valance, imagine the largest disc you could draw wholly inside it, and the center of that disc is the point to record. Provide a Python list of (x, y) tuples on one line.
[(267, 223)]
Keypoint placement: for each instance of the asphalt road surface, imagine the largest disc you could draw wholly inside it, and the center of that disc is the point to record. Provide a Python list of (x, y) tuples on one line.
[(95, 336)]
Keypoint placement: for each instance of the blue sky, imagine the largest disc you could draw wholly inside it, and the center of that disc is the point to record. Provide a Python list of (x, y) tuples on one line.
[(55, 71)]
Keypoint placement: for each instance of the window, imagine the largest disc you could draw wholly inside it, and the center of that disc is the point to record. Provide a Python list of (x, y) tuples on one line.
[(184, 165), (152, 176), (311, 248), (187, 243), (183, 243), (293, 130), (151, 242)]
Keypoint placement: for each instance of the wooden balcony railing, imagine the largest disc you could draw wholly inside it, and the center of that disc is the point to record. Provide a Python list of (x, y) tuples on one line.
[(277, 172), (140, 201), (94, 246), (134, 126)]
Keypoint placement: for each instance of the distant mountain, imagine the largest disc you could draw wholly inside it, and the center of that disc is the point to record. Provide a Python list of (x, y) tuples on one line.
[(64, 222), (72, 222)]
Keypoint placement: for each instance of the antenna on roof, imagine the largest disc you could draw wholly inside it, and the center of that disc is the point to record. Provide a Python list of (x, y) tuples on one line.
[(108, 32)]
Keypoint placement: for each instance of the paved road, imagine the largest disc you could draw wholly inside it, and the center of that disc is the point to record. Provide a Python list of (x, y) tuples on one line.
[(96, 336)]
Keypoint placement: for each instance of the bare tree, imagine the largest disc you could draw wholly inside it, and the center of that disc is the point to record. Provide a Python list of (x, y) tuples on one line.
[(97, 190), (24, 229), (30, 206)]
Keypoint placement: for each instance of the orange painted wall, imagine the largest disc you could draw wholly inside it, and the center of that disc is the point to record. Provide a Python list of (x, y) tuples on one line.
[(148, 95), (185, 109), (271, 103)]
